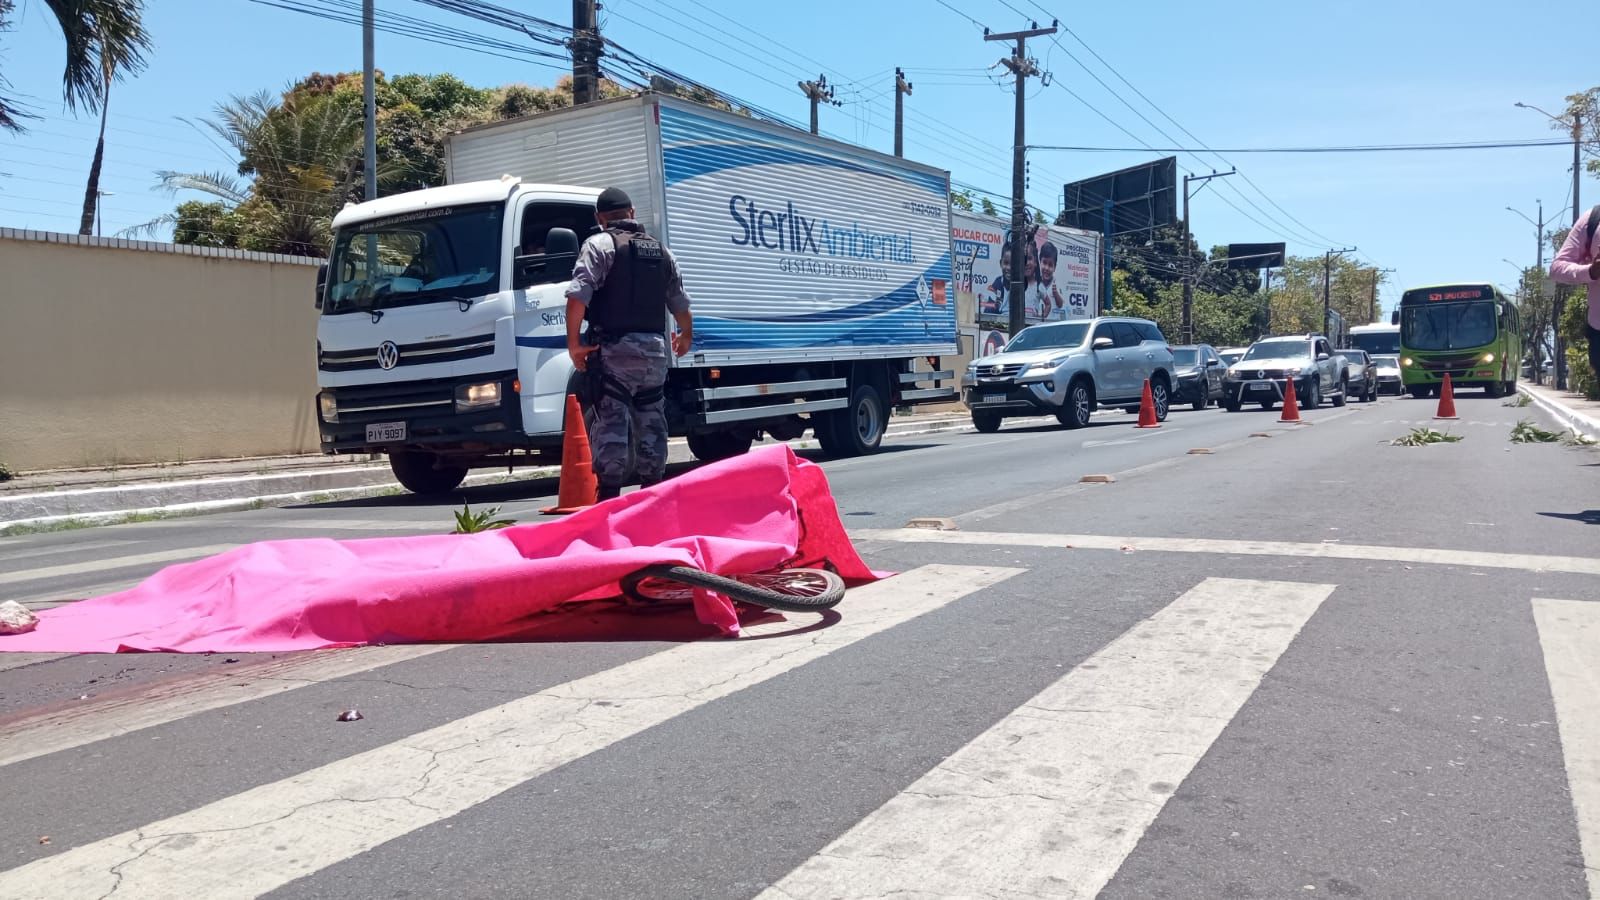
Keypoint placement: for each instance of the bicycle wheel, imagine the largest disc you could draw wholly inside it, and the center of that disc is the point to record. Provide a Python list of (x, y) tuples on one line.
[(790, 590)]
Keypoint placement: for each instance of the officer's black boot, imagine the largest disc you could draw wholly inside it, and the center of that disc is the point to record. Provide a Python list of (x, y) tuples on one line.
[(609, 492)]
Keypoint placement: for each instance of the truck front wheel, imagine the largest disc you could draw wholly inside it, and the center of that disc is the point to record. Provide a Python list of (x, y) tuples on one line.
[(857, 429), (421, 473)]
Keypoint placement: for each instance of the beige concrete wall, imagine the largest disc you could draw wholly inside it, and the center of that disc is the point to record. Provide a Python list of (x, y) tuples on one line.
[(117, 352)]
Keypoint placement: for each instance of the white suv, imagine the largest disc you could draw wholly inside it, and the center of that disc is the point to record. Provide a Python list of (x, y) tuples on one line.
[(1067, 369)]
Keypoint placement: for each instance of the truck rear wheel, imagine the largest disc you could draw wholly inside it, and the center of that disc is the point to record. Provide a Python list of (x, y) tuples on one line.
[(710, 446), (417, 472), (858, 428)]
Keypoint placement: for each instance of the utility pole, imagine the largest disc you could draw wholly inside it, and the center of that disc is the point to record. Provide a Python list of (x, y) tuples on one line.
[(1022, 67), (585, 48), (1189, 278), (369, 96), (1376, 274), (1327, 282), (902, 89), (1561, 296), (820, 91)]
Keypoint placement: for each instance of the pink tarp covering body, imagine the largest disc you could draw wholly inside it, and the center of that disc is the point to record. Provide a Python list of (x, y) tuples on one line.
[(748, 514)]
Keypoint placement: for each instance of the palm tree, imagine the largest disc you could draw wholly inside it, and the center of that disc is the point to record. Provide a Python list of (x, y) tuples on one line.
[(302, 157), (102, 36)]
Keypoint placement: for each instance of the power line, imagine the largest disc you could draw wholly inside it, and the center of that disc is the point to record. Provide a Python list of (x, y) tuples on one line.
[(1353, 148)]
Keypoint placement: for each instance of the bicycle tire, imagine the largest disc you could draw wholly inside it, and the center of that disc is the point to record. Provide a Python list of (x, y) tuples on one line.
[(638, 587)]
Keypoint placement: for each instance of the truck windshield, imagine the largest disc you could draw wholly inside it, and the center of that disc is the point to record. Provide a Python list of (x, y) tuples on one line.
[(1278, 350), (1044, 337), (421, 257), (1450, 326)]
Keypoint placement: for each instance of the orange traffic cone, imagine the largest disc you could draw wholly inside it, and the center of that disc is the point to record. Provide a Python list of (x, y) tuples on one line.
[(1291, 406), (578, 487), (1147, 409), (1447, 401)]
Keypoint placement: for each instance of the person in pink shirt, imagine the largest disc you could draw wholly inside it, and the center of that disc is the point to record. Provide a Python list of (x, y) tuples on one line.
[(1578, 262)]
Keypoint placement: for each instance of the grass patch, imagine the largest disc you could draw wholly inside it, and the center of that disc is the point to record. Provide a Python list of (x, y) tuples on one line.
[(1525, 432), (468, 522), (1519, 401), (1421, 437)]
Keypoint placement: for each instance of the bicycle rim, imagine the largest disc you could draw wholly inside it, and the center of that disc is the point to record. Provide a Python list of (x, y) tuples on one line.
[(789, 590)]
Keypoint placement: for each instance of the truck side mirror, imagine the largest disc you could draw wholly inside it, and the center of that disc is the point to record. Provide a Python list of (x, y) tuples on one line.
[(1394, 317), (322, 282), (1103, 343)]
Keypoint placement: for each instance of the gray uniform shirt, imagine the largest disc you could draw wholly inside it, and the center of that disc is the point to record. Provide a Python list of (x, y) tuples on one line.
[(594, 262)]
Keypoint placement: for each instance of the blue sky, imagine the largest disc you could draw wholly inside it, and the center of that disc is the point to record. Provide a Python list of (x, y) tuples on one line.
[(1246, 74)]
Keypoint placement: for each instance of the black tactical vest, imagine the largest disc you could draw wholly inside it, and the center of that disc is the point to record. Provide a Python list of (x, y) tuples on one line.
[(634, 296)]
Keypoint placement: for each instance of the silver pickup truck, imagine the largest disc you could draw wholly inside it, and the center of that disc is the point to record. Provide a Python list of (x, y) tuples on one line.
[(1307, 361)]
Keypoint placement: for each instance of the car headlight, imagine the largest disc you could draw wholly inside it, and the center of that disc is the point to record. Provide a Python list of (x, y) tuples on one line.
[(477, 396), (328, 406), (1046, 367)]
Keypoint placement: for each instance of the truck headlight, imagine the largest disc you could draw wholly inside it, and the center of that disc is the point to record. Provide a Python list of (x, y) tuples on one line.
[(477, 396), (1488, 357), (328, 406), (1406, 362)]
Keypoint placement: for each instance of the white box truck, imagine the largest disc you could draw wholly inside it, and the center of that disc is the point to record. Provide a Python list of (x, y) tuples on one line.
[(819, 274)]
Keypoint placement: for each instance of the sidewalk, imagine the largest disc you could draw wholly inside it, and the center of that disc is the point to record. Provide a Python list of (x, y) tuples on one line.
[(70, 497), (1571, 410)]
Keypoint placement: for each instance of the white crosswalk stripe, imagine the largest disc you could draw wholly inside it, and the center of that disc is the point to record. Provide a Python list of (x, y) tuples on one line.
[(112, 562), (1569, 633), (1050, 800), (226, 849), (87, 723)]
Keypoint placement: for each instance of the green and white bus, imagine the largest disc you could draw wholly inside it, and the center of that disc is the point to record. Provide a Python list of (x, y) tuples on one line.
[(1467, 330)]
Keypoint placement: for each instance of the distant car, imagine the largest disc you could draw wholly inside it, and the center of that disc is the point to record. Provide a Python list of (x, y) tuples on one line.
[(1200, 369), (1232, 355), (1068, 369), (1387, 368), (1361, 374), (1305, 360)]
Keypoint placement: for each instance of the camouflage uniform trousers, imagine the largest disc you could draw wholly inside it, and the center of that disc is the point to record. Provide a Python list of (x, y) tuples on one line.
[(635, 364)]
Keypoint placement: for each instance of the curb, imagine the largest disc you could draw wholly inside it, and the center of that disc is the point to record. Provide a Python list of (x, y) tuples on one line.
[(1571, 418), (198, 496)]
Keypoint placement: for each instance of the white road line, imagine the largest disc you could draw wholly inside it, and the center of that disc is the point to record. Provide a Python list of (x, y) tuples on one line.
[(234, 847), (1569, 633), (113, 562), (97, 720), (47, 599), (1053, 798), (1471, 558), (18, 660), (442, 525), (59, 549)]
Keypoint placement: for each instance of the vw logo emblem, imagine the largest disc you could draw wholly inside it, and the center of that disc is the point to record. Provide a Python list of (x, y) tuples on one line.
[(388, 355)]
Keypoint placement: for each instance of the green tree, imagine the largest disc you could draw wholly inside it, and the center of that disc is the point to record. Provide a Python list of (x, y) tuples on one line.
[(1581, 378), (102, 36)]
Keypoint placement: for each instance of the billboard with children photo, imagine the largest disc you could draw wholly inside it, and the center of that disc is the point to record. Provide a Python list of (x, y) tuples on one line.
[(1059, 270)]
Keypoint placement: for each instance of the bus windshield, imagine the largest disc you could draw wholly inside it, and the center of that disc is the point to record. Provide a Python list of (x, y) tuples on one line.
[(1448, 326), (1378, 343)]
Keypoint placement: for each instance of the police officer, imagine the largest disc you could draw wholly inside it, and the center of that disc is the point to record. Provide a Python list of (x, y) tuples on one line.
[(623, 283)]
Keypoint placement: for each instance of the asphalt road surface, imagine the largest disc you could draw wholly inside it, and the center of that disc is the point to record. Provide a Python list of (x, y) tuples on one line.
[(1303, 664)]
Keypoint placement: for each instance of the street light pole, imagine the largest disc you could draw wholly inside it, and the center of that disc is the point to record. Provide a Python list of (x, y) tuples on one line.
[(1577, 204)]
